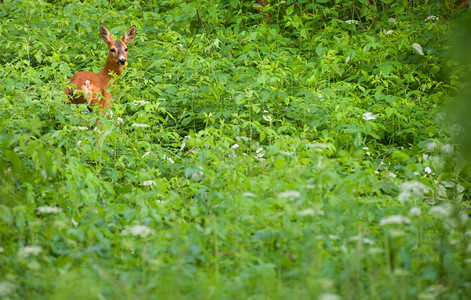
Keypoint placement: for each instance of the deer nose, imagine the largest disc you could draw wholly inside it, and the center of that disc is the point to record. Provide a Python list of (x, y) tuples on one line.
[(121, 61)]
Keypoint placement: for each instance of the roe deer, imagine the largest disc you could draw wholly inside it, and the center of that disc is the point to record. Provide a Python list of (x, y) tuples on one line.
[(89, 87)]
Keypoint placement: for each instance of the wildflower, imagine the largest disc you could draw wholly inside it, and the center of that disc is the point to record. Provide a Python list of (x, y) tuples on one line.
[(267, 118), (431, 146), (235, 146), (29, 250), (394, 219), (418, 48), (120, 120), (306, 212), (347, 59), (410, 188), (273, 88), (414, 211), (248, 194), (431, 18), (6, 288), (388, 32), (139, 125), (290, 195), (428, 170), (140, 102), (181, 47), (392, 175), (49, 209), (369, 116), (216, 42), (75, 223), (351, 22), (392, 20), (447, 148), (367, 152), (328, 296), (137, 230), (440, 210), (148, 182), (243, 138), (81, 128)]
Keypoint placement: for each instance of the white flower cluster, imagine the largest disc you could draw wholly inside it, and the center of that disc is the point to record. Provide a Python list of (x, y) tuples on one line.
[(49, 209), (369, 116), (395, 219), (29, 250), (137, 230), (411, 188), (351, 22), (290, 195), (139, 125), (431, 18)]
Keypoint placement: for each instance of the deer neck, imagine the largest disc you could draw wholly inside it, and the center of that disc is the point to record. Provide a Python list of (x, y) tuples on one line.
[(110, 70)]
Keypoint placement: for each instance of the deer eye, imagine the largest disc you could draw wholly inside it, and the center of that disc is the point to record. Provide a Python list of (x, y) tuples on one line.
[(126, 49), (112, 50)]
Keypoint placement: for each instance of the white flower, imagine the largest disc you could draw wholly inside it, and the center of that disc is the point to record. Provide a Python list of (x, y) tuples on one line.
[(418, 48), (235, 146), (388, 32), (328, 296), (440, 210), (306, 212), (395, 219), (169, 160), (120, 120), (216, 42), (75, 223), (431, 18), (410, 188), (81, 128), (137, 230), (49, 209), (447, 148), (148, 182), (290, 195), (267, 118), (392, 20), (431, 146), (140, 102), (139, 125), (392, 175), (414, 211), (181, 47), (428, 170), (347, 59), (351, 21), (369, 116), (243, 138), (79, 142), (29, 250), (248, 194), (6, 288)]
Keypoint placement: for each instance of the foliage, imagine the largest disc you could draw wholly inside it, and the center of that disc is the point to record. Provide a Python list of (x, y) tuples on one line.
[(306, 158)]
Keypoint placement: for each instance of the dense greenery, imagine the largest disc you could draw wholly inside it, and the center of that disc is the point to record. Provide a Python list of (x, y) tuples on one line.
[(307, 158)]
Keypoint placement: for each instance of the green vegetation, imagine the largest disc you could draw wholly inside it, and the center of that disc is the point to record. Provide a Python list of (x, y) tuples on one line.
[(309, 158)]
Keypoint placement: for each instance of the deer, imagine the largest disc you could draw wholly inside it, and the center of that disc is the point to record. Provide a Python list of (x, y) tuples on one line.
[(91, 88)]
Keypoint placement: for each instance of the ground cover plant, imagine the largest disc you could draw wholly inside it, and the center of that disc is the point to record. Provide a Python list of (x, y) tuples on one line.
[(255, 150)]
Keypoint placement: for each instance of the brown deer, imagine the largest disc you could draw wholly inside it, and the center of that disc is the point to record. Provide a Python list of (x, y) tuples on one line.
[(88, 87)]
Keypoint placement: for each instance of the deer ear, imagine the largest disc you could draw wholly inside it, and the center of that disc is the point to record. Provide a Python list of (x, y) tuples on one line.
[(105, 34), (129, 35)]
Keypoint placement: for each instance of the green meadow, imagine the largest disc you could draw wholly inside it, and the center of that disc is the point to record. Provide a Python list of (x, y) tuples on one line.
[(254, 150)]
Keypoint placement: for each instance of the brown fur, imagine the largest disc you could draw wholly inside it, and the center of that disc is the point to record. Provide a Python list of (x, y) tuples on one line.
[(96, 90)]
